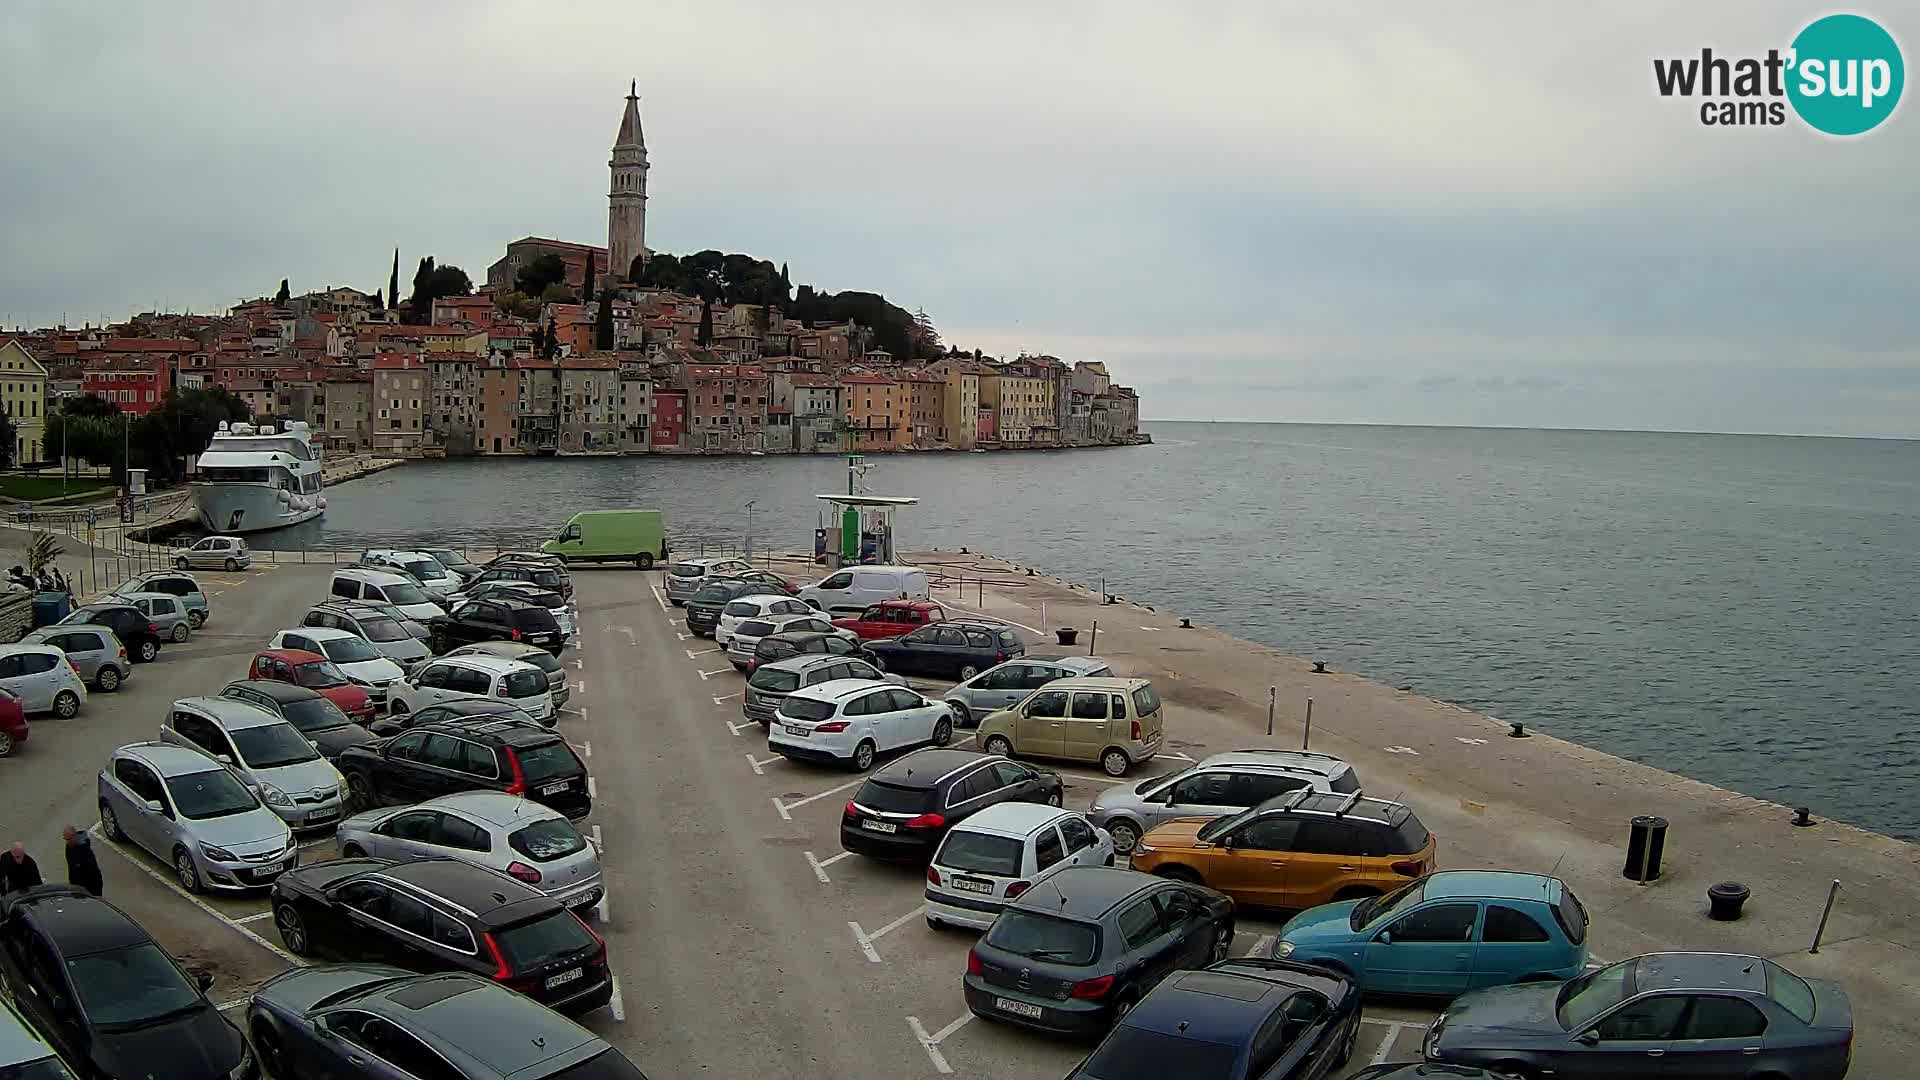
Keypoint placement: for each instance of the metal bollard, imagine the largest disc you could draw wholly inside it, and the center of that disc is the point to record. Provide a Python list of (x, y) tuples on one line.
[(1306, 735), (1820, 931)]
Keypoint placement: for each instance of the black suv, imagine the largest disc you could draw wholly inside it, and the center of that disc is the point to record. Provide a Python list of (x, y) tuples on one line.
[(950, 648), (547, 577), (905, 808), (781, 646), (703, 608), (137, 632), (109, 999), (476, 710), (440, 759), (444, 915), (320, 720), (497, 618)]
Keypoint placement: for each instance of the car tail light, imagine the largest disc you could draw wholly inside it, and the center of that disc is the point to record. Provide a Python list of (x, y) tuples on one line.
[(974, 966), (831, 729), (123, 652), (516, 633), (1409, 867), (933, 876), (1133, 732), (71, 666), (1000, 657), (926, 821), (1017, 888), (1093, 989), (524, 872), (519, 785), (153, 628), (851, 811), (502, 971)]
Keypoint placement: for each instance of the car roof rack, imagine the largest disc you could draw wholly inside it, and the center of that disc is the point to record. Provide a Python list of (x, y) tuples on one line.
[(1284, 750), (1347, 804)]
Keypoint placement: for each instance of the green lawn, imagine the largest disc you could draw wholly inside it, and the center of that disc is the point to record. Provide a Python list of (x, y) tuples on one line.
[(47, 486)]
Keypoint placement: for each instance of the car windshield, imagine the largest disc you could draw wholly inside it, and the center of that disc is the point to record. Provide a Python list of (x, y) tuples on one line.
[(383, 629), (348, 650), (447, 556), (424, 570), (270, 746), (608, 1064), (775, 681), (1221, 826), (211, 794), (714, 593), (980, 853), (404, 592), (526, 684), (753, 628), (319, 675), (46, 1068), (801, 708), (683, 570), (1381, 908), (1591, 994), (531, 944), (314, 714), (1044, 937), (546, 761), (546, 598), (130, 987), (1132, 1053), (545, 841)]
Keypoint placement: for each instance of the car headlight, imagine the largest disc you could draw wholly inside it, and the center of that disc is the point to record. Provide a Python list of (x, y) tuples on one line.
[(217, 854), (241, 1070), (1282, 949), (1142, 848), (273, 796)]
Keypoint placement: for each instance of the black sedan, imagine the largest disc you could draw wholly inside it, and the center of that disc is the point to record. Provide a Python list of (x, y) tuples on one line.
[(135, 630), (1084, 946), (952, 649), (1236, 1020), (320, 720)]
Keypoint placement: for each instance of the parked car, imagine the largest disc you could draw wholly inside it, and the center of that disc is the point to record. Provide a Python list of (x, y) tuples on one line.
[(167, 613), (182, 586), (752, 606), (137, 632), (227, 553), (852, 721), (95, 652), (43, 678), (1447, 933), (1297, 851), (555, 604), (390, 635), (456, 711), (1221, 784), (496, 619), (770, 684), (709, 600), (453, 677), (455, 561), (856, 588), (13, 723), (768, 577), (320, 720), (386, 587), (316, 673), (506, 833), (1115, 722), (950, 649), (1421, 1070), (1666, 1014), (685, 577), (321, 1023), (269, 755), (108, 997), (995, 855), (444, 915), (557, 687), (891, 618), (1005, 685), (422, 567), (194, 815), (639, 536), (743, 643), (354, 655), (24, 1054), (1075, 952), (430, 760), (1241, 1019), (905, 808), (781, 646), (551, 577)]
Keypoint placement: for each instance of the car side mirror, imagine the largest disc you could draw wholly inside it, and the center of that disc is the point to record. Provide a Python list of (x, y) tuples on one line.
[(154, 807), (1589, 1037), (224, 759), (204, 981), (1227, 841), (1385, 938)]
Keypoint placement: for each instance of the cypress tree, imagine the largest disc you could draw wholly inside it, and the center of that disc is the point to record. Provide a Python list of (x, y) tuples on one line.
[(393, 282), (587, 293), (706, 322), (283, 295), (603, 321)]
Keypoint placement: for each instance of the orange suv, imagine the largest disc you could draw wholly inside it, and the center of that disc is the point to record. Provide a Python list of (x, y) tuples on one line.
[(1295, 850)]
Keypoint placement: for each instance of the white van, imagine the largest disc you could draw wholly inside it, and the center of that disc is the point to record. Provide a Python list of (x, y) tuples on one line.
[(851, 590), (381, 586)]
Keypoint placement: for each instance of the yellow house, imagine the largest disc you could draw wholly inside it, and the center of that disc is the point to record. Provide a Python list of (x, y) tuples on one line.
[(23, 394), (1023, 406)]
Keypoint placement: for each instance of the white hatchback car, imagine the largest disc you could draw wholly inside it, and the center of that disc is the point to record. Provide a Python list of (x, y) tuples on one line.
[(455, 678), (748, 632), (991, 857), (757, 606), (43, 679), (356, 658), (852, 721)]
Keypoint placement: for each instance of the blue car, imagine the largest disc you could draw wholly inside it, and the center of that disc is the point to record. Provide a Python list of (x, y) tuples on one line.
[(1450, 932)]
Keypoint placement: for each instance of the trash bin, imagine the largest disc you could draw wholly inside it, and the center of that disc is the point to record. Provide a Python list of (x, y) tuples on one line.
[(1725, 899), (49, 608), (1645, 843), (1066, 634)]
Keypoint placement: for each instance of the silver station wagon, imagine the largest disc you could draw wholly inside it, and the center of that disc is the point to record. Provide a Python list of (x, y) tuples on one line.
[(515, 836), (1003, 685)]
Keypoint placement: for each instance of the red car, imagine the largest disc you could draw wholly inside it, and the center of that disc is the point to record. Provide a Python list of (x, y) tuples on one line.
[(316, 673), (891, 618), (13, 722)]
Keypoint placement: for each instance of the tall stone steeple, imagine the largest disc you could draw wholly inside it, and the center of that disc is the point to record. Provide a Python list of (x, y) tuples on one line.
[(627, 193)]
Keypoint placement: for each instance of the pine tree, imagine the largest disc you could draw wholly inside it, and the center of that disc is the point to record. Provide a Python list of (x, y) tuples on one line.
[(587, 292), (393, 282), (603, 321)]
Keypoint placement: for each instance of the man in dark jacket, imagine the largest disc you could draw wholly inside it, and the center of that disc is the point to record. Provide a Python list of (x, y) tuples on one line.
[(18, 871), (82, 868)]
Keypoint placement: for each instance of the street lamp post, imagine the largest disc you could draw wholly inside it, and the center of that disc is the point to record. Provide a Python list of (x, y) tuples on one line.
[(749, 544)]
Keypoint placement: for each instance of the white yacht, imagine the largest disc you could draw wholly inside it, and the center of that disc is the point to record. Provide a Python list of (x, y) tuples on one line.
[(254, 478)]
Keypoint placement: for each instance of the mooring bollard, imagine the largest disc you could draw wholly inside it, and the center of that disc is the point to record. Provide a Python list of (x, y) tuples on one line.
[(1517, 730), (1319, 667), (1802, 817), (1724, 900)]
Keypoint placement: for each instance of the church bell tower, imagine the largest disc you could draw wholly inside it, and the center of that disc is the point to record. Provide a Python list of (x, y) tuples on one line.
[(627, 192)]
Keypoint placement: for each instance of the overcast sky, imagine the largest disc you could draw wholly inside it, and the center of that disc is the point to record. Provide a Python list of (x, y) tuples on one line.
[(1445, 213)]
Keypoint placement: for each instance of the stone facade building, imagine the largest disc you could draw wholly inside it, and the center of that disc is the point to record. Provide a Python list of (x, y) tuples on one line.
[(589, 405)]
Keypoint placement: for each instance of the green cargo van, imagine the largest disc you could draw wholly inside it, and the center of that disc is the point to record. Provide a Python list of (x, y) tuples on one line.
[(612, 536)]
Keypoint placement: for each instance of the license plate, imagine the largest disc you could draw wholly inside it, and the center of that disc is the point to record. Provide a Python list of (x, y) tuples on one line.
[(320, 815), (880, 826), (969, 885), (795, 729), (554, 789), (566, 977), (1018, 1008)]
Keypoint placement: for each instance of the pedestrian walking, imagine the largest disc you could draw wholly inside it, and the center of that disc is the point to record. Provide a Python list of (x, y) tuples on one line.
[(18, 871), (82, 868)]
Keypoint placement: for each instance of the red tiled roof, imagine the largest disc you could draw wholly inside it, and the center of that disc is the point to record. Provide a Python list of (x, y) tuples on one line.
[(394, 361), (814, 380), (149, 345), (867, 380), (589, 363)]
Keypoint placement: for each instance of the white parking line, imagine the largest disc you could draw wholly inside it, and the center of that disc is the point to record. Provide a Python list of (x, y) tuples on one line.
[(661, 600), (592, 792), (693, 655), (593, 834), (255, 917), (586, 749), (577, 665), (140, 864), (820, 866), (735, 729), (614, 1005), (602, 914), (861, 939), (722, 699), (716, 671), (234, 1004), (757, 763), (684, 637), (931, 1043), (1385, 1049), (580, 687), (1179, 757), (784, 807)]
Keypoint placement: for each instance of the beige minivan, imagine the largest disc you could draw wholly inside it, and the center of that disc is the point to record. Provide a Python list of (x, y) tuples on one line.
[(1115, 722)]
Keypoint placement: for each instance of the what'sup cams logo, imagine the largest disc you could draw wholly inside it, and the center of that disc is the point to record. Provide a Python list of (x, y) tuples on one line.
[(1842, 75)]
